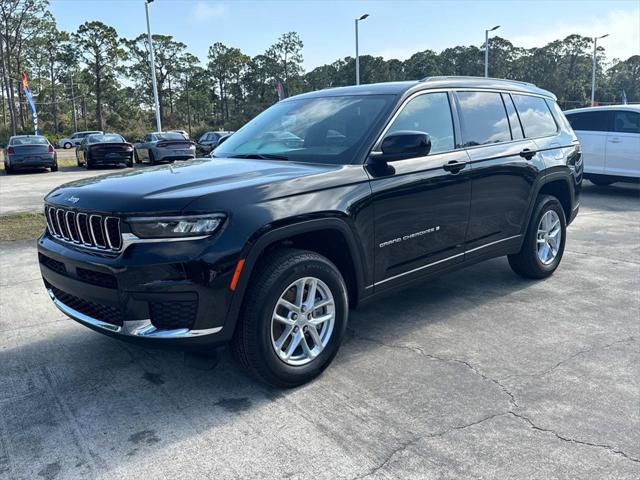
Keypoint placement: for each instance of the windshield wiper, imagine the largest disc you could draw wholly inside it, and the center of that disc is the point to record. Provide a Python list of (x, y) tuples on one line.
[(260, 156)]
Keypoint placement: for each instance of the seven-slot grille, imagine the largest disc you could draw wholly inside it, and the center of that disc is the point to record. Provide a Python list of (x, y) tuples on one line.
[(85, 229)]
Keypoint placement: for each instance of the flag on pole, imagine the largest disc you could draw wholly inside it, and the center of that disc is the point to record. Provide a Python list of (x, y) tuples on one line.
[(280, 90), (623, 98), (32, 106)]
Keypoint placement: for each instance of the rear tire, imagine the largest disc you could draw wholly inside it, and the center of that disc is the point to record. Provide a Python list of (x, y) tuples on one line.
[(268, 318), (87, 162), (67, 145), (542, 251), (54, 168), (136, 158), (8, 169), (152, 158)]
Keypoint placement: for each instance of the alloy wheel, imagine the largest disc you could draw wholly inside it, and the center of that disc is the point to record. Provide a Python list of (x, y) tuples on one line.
[(549, 237), (302, 321)]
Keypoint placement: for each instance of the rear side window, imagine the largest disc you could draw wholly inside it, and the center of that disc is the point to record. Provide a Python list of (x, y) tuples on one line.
[(591, 121), (514, 121), (429, 113), (627, 122), (483, 118), (535, 116)]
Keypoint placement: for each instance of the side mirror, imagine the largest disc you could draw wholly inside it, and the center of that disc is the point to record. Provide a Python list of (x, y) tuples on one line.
[(404, 144)]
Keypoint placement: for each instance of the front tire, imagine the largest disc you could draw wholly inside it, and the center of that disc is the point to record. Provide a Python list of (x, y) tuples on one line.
[(544, 241), (294, 318), (67, 145)]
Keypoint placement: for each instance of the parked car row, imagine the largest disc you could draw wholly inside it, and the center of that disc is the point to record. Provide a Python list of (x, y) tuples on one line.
[(95, 148)]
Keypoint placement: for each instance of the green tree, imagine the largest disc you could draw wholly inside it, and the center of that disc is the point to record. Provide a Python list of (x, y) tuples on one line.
[(99, 47)]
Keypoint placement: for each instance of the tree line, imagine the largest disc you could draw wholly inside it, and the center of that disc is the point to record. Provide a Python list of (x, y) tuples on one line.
[(94, 79)]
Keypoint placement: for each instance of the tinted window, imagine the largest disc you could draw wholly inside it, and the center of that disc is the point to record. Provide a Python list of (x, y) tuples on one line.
[(28, 141), (514, 121), (627, 122), (483, 118), (535, 116), (107, 138), (558, 115), (429, 113), (169, 136), (316, 129), (591, 121)]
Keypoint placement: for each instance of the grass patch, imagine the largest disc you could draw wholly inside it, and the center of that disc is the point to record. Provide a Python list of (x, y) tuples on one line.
[(21, 226)]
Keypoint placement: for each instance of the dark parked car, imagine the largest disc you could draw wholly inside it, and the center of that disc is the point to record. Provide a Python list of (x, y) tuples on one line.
[(324, 201), (104, 149), (29, 151), (209, 141), (159, 147)]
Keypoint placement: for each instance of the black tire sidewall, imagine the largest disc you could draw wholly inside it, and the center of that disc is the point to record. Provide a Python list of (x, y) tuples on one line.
[(294, 375), (547, 204)]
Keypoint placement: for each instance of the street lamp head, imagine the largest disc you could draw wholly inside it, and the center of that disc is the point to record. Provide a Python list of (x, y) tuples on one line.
[(494, 28), (148, 1), (603, 36), (363, 16)]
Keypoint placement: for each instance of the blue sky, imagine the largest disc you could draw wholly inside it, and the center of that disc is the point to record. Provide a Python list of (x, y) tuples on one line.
[(395, 29)]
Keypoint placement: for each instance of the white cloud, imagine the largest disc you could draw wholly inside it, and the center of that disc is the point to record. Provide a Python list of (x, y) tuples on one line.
[(204, 11), (623, 27)]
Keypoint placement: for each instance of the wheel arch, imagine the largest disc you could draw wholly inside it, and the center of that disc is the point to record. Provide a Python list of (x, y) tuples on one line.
[(331, 237)]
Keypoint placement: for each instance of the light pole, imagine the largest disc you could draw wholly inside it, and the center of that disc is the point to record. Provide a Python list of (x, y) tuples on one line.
[(153, 69), (357, 55), (593, 73), (486, 49)]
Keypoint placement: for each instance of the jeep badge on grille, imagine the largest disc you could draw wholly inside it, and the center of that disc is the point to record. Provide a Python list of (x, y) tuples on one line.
[(73, 199)]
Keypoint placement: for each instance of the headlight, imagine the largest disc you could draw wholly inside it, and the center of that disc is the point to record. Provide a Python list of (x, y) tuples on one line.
[(174, 227)]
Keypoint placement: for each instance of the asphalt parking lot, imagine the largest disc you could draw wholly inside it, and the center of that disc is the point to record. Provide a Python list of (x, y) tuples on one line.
[(477, 374), (24, 190)]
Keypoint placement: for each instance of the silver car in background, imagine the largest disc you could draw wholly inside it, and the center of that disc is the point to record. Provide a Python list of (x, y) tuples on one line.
[(159, 147), (29, 151), (75, 139)]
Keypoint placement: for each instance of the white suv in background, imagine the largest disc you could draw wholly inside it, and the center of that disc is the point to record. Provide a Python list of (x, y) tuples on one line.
[(75, 139), (610, 139)]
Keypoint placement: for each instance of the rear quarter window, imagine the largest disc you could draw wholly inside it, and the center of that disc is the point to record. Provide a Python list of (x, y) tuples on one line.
[(535, 116)]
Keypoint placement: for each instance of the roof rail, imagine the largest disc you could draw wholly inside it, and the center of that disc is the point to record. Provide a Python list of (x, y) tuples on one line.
[(453, 77)]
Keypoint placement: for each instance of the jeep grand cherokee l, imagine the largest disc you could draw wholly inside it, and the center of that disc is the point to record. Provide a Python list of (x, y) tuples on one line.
[(322, 202)]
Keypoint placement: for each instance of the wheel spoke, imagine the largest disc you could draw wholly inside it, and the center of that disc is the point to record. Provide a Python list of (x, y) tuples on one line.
[(286, 333), (317, 321), (285, 320), (295, 342), (323, 303), (305, 348), (288, 305), (311, 294), (300, 291), (315, 336)]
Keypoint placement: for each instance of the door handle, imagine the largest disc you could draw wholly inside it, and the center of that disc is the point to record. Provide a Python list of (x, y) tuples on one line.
[(615, 140), (454, 166), (527, 153)]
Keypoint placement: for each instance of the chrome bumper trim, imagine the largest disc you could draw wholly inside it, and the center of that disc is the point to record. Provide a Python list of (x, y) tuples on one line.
[(134, 328)]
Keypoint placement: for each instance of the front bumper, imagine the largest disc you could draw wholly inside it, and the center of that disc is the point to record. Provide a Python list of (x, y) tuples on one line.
[(159, 295)]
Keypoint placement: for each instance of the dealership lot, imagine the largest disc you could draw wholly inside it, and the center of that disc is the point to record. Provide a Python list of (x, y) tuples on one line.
[(478, 374)]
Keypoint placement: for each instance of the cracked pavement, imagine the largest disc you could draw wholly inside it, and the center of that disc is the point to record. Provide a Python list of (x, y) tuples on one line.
[(476, 374)]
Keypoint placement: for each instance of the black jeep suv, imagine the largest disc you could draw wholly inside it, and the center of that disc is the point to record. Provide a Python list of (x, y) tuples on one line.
[(321, 202)]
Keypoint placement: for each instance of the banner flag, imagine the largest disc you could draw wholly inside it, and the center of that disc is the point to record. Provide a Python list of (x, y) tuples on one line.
[(280, 90), (32, 106)]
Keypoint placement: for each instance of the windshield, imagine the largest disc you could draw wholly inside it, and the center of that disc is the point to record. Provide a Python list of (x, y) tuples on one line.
[(29, 141), (170, 136), (107, 138), (318, 130)]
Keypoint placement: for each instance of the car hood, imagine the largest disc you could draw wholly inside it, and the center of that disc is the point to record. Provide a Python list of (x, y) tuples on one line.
[(171, 188)]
